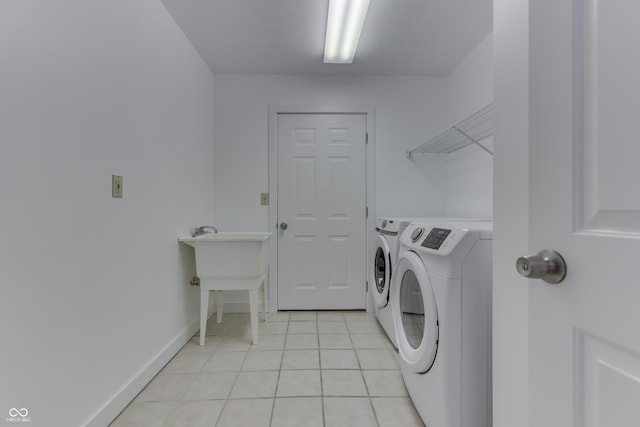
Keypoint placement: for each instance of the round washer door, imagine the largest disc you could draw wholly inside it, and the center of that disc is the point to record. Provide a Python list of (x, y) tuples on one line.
[(415, 313), (381, 272)]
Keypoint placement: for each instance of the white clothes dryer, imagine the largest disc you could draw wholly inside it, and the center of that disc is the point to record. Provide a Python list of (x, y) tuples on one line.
[(441, 297), (385, 258)]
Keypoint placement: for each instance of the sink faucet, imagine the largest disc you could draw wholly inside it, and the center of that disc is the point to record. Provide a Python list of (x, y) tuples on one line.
[(199, 231)]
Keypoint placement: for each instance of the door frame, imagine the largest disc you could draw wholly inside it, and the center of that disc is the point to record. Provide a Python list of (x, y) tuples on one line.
[(274, 111), (511, 213)]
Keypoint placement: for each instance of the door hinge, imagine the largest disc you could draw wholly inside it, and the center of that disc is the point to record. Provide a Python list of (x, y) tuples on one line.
[(366, 212), (366, 138), (366, 286)]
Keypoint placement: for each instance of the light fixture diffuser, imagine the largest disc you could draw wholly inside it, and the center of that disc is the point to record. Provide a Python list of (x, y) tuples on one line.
[(344, 25)]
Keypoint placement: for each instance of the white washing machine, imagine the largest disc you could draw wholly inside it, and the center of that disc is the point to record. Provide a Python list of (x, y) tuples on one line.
[(384, 261), (385, 258), (441, 295)]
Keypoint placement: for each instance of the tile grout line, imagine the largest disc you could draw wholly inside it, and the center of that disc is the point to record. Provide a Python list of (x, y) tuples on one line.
[(373, 411), (275, 392), (324, 418)]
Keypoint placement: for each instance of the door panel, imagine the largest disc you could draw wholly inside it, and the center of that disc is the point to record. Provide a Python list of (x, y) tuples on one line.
[(339, 192), (610, 104), (305, 183), (611, 386), (321, 197), (338, 251), (306, 249), (585, 203)]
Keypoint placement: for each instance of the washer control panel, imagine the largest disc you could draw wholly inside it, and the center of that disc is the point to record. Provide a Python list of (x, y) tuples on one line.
[(391, 226)]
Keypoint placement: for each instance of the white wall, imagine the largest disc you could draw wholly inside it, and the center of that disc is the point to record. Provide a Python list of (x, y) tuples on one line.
[(469, 172), (407, 110), (470, 83), (93, 289)]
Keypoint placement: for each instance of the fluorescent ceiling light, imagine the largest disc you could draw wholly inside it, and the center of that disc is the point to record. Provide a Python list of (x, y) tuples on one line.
[(344, 25)]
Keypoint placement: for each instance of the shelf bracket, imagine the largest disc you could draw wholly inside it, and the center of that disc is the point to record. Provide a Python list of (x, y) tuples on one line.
[(472, 140)]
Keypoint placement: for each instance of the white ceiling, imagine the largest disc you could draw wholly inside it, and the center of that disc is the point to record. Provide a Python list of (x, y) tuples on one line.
[(400, 37)]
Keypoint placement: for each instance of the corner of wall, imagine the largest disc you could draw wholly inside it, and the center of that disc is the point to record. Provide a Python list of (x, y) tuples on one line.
[(469, 172)]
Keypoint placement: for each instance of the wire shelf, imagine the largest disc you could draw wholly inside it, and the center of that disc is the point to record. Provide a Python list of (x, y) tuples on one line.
[(471, 130)]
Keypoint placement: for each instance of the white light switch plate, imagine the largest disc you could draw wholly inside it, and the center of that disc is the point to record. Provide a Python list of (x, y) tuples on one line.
[(116, 186)]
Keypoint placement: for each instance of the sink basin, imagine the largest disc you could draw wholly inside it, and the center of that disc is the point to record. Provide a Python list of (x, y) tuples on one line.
[(230, 254)]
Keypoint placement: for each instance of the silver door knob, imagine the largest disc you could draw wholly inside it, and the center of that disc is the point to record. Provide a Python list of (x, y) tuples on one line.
[(283, 226), (547, 265)]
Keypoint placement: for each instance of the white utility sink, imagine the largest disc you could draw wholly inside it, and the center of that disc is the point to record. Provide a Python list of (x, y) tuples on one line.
[(230, 254), (231, 261)]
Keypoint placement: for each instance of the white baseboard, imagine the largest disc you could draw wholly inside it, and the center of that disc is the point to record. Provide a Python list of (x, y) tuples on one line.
[(130, 390)]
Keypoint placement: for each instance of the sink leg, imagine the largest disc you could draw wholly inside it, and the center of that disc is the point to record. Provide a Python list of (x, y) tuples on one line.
[(264, 300), (253, 307), (204, 308), (220, 301)]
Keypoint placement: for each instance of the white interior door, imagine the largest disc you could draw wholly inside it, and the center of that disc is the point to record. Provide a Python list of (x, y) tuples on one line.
[(585, 203), (322, 201)]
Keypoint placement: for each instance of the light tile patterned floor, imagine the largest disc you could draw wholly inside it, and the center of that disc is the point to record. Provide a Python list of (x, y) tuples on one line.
[(316, 369)]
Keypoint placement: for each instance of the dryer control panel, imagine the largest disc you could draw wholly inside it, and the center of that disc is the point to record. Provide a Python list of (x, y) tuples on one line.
[(433, 238)]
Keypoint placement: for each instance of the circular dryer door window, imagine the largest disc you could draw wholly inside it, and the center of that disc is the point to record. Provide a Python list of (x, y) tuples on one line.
[(415, 313), (381, 272)]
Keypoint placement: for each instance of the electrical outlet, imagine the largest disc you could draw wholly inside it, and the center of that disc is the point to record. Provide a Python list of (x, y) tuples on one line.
[(264, 199), (116, 186)]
